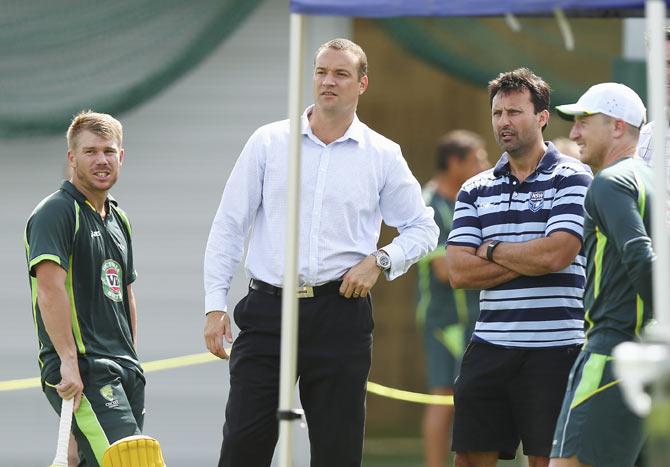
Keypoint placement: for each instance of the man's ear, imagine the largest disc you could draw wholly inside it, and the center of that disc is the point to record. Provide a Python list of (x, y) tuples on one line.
[(620, 128), (544, 118), (363, 85)]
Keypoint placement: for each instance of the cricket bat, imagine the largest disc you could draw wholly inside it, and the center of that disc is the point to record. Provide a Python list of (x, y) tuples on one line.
[(63, 433)]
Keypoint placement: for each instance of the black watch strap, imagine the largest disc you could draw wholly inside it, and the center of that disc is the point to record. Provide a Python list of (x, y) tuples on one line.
[(489, 249)]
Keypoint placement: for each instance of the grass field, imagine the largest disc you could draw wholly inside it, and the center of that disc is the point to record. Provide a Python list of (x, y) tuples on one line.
[(404, 452)]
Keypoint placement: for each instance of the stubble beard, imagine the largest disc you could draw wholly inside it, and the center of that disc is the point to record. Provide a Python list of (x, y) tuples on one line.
[(512, 148)]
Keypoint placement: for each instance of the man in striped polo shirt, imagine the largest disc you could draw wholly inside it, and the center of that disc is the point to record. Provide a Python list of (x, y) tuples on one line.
[(596, 427), (517, 236)]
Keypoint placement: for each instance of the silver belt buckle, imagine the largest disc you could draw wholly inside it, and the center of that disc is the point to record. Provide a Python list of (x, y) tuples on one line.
[(306, 291)]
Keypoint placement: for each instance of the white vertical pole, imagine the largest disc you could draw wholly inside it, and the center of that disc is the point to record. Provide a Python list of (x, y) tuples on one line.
[(289, 325), (657, 101)]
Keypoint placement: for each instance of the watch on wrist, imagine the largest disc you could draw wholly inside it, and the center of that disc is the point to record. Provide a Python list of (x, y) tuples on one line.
[(489, 249), (383, 260)]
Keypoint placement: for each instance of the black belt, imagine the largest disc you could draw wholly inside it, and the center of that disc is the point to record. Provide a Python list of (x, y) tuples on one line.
[(307, 291)]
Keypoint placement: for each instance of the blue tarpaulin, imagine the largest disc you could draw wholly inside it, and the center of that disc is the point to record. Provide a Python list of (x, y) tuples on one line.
[(389, 8)]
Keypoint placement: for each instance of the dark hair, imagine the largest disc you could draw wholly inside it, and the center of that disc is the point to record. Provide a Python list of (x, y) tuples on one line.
[(457, 143), (667, 33), (518, 80)]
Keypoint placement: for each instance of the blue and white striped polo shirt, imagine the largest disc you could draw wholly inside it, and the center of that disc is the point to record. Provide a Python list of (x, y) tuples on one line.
[(529, 311)]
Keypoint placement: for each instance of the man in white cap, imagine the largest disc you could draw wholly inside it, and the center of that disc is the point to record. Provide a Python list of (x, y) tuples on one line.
[(595, 426)]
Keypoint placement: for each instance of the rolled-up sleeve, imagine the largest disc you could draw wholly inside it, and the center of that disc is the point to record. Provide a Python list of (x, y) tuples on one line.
[(403, 207)]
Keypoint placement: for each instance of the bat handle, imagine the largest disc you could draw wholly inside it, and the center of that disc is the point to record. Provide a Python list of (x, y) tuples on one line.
[(64, 432)]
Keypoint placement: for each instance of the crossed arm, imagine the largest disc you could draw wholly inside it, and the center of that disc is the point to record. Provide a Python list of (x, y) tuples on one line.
[(469, 269)]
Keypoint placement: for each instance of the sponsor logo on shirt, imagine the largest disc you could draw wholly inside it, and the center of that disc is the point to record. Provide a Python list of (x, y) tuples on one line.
[(536, 201), (108, 393), (95, 233), (111, 277)]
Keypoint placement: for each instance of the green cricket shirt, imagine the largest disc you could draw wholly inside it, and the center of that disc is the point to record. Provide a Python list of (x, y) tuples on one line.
[(619, 254), (97, 255), (438, 305)]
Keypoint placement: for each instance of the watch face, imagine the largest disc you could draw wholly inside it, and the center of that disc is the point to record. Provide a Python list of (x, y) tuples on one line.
[(383, 261)]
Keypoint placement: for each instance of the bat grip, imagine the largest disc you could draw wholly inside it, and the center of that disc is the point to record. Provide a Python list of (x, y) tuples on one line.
[(64, 432)]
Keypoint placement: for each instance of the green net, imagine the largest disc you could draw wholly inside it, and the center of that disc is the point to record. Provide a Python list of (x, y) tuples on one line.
[(60, 56), (477, 49)]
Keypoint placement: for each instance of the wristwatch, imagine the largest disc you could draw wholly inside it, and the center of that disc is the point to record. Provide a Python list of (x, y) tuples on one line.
[(489, 249), (383, 260)]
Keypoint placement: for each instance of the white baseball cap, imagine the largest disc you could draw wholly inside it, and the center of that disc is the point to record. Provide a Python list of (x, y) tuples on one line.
[(612, 99)]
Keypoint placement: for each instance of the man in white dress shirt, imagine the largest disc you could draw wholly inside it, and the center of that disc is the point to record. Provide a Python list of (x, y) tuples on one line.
[(645, 147), (352, 178)]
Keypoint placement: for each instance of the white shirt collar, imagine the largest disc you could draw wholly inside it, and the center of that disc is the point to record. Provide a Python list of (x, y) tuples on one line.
[(355, 130)]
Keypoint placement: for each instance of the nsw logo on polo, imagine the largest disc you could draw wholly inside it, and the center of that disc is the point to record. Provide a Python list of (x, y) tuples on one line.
[(111, 277), (536, 201)]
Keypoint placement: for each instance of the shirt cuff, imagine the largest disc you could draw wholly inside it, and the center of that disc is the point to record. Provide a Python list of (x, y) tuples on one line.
[(215, 301), (397, 261)]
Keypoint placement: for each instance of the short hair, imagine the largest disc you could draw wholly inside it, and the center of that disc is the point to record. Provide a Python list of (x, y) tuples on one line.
[(100, 124), (518, 80), (346, 44), (456, 143), (631, 130)]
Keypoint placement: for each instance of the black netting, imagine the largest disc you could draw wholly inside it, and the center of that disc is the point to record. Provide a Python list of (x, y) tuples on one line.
[(59, 56)]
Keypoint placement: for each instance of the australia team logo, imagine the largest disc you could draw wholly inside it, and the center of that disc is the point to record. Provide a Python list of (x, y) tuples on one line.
[(112, 280), (108, 393), (536, 201)]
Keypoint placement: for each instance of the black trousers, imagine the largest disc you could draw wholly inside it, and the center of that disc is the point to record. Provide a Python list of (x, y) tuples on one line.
[(334, 354)]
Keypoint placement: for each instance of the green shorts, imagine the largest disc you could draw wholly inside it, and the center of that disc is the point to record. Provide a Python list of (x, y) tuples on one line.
[(111, 408), (595, 423), (443, 360)]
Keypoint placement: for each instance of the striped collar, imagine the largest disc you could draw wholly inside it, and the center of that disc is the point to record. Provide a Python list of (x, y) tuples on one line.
[(547, 164)]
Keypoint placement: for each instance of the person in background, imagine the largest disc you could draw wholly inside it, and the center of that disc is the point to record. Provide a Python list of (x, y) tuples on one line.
[(567, 146), (445, 316), (645, 148)]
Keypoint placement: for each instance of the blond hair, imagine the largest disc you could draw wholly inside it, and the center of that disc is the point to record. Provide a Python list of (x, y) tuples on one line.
[(100, 124)]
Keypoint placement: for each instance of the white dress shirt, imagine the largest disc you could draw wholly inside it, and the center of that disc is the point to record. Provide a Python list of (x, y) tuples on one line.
[(645, 148), (347, 188)]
